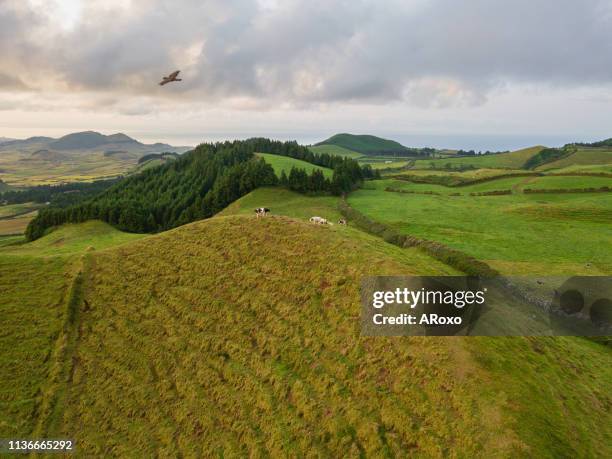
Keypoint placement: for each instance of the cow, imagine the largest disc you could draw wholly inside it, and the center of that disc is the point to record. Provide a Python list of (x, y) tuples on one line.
[(261, 211), (342, 221), (319, 221)]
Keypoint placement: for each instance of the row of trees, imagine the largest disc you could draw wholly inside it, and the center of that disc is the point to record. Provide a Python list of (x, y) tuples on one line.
[(346, 177), (57, 195)]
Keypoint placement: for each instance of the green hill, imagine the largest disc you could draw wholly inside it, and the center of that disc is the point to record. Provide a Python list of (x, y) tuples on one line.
[(239, 335), (366, 144), (284, 163)]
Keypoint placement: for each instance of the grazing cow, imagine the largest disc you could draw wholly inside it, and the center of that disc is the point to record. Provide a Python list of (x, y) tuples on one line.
[(261, 211), (319, 221), (342, 221)]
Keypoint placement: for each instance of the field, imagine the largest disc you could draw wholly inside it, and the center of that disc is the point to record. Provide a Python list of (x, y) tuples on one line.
[(284, 163), (83, 167), (512, 160), (164, 350), (583, 157), (335, 150), (518, 233), (14, 218)]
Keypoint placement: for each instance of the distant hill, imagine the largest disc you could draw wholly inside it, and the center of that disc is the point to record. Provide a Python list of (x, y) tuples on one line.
[(5, 139), (366, 144), (89, 140)]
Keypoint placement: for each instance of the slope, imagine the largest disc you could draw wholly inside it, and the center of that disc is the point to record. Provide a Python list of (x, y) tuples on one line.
[(213, 349), (237, 335), (35, 281), (284, 163)]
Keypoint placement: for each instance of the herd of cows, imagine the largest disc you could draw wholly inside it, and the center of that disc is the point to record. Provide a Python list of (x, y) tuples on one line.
[(263, 211)]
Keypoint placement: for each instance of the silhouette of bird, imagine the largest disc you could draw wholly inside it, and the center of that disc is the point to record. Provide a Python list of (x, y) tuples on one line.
[(170, 78)]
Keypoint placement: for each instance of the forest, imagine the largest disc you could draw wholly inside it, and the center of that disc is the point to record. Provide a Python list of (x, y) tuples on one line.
[(199, 184)]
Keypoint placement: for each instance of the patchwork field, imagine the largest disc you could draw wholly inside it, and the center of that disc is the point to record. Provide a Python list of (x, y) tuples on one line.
[(84, 167), (190, 342), (519, 233), (14, 218), (284, 163), (512, 160)]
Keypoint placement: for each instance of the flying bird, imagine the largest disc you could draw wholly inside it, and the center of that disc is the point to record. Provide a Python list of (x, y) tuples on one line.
[(170, 78)]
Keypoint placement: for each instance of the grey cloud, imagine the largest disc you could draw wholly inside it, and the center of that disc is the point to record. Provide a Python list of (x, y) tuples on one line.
[(436, 52)]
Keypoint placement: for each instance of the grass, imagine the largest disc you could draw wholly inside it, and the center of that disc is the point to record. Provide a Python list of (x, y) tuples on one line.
[(72, 239), (335, 150), (517, 234), (284, 163), (238, 335), (512, 160), (35, 280), (14, 218), (568, 182), (583, 157)]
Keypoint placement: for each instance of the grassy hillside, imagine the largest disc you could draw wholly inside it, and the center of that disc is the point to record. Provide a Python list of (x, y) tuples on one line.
[(365, 144), (512, 160), (335, 150), (36, 280), (583, 157), (284, 163), (191, 342)]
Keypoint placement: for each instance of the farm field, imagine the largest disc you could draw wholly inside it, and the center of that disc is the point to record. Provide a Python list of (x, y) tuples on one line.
[(384, 163), (284, 163), (517, 234), (335, 150), (512, 160), (14, 218), (82, 168), (282, 372), (584, 157), (568, 182)]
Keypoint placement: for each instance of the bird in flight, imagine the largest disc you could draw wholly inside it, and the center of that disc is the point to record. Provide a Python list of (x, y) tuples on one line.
[(170, 78)]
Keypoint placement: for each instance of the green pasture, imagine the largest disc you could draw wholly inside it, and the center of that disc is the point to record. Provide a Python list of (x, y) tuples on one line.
[(538, 233), (335, 150), (512, 160), (284, 163)]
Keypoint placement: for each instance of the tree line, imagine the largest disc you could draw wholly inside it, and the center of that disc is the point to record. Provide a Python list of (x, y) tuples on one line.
[(63, 195), (199, 184)]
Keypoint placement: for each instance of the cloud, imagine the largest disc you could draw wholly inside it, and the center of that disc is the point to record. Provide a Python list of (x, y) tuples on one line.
[(436, 53)]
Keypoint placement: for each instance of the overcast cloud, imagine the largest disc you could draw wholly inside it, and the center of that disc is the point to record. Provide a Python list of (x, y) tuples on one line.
[(297, 55)]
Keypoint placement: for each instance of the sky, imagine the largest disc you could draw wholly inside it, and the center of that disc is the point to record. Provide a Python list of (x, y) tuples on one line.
[(483, 74)]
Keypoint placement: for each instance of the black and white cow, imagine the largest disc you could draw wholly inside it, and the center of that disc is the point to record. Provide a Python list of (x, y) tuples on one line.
[(342, 221), (261, 211)]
